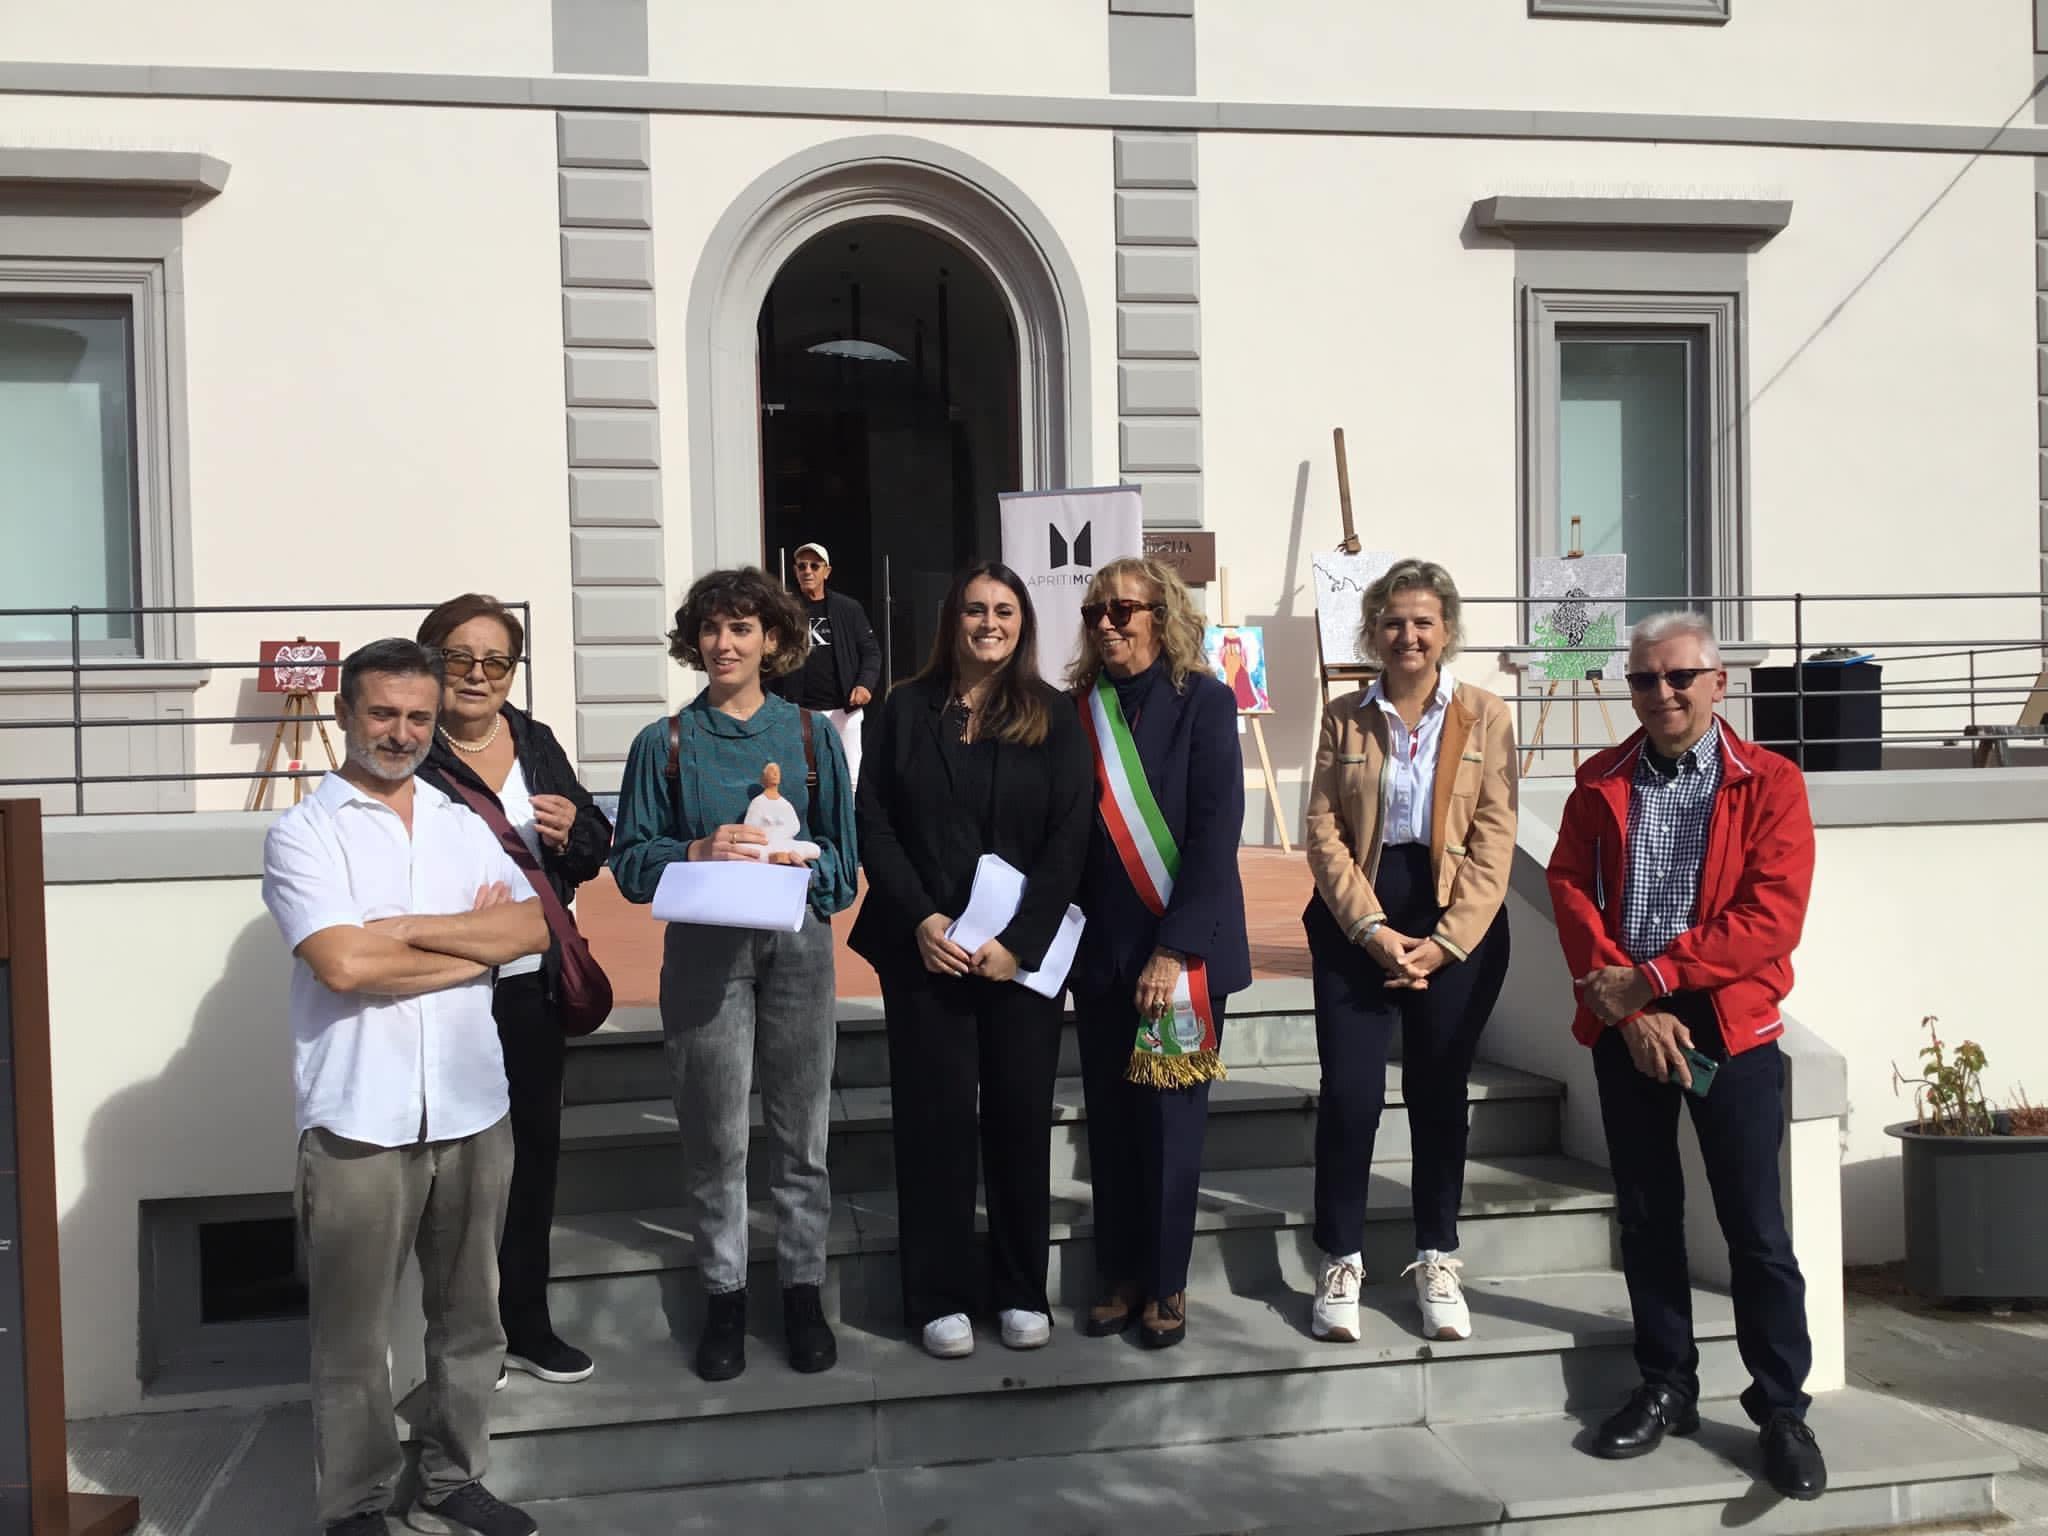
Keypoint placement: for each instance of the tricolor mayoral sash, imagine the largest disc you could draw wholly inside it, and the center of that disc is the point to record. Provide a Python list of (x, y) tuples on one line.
[(1177, 1049)]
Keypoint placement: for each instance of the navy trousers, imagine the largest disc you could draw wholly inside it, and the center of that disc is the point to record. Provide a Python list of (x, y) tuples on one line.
[(1741, 1125), (1356, 1016), (1144, 1153)]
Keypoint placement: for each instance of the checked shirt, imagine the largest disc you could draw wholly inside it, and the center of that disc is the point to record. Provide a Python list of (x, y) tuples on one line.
[(1669, 806)]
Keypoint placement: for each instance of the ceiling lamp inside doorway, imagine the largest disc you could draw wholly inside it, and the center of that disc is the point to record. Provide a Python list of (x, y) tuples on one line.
[(859, 351)]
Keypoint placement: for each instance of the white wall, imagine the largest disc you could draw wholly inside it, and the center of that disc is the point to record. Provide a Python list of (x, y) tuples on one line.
[(448, 36), (1045, 48), (171, 1069), (1890, 379), (373, 373), (1906, 922), (1864, 59)]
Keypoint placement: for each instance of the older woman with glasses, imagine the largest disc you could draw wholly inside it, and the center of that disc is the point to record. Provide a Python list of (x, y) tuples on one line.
[(487, 745), (1165, 942), (1410, 836)]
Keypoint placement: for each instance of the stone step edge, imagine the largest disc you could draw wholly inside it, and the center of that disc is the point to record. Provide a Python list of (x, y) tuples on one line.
[(864, 1222), (851, 1110)]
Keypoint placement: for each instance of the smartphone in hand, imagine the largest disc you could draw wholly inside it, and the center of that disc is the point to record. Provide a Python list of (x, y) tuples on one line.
[(1703, 1070)]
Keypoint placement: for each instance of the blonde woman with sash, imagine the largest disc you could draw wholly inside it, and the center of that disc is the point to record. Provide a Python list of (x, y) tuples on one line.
[(1165, 942)]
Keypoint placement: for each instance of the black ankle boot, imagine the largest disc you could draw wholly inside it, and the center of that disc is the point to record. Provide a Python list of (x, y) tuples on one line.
[(722, 1348), (805, 1331)]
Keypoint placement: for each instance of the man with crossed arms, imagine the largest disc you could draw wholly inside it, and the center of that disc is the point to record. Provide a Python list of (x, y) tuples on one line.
[(1679, 882), (397, 902)]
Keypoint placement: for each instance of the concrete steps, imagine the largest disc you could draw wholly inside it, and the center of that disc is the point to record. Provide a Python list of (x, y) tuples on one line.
[(1516, 1477)]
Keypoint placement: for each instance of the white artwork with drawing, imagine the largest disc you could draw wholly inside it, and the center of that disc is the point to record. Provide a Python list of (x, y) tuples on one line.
[(1340, 582), (1581, 619)]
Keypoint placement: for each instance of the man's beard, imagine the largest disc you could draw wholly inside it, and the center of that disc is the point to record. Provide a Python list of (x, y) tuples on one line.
[(381, 765)]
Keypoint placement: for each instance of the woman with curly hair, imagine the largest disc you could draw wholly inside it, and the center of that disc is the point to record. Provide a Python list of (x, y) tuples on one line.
[(1165, 942), (733, 999), (1410, 835)]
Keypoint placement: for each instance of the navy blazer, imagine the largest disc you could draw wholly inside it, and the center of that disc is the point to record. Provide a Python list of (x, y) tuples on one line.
[(1188, 743)]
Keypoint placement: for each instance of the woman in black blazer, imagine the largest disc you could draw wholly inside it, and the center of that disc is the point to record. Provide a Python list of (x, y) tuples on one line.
[(487, 744), (974, 755), (1142, 670)]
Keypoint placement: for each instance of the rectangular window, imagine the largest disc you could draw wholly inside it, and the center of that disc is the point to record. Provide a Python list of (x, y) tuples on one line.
[(68, 491), (1631, 427)]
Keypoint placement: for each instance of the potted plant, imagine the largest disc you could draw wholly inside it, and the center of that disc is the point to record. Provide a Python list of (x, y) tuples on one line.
[(1975, 1181)]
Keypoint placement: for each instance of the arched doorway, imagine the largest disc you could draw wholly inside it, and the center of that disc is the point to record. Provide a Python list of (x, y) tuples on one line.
[(889, 419)]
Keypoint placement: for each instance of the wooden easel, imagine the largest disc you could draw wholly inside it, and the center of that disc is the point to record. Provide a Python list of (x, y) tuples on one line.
[(1343, 671), (1989, 751), (300, 710), (1257, 723), (1576, 552)]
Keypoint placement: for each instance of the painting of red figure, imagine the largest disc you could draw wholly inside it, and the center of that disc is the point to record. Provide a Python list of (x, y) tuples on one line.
[(1238, 653)]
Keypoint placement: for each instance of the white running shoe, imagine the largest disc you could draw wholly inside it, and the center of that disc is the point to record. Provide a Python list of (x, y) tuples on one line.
[(1335, 1315), (949, 1337), (1026, 1330), (1441, 1297)]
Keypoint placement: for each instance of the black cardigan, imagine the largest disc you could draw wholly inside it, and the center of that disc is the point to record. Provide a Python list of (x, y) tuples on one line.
[(548, 772), (919, 843)]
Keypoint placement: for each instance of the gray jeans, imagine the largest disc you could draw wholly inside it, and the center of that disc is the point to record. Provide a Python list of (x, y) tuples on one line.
[(361, 1210), (741, 1007)]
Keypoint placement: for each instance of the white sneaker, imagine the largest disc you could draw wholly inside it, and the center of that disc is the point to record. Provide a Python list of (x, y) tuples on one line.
[(949, 1337), (1335, 1314), (504, 1376), (1442, 1299), (1026, 1330)]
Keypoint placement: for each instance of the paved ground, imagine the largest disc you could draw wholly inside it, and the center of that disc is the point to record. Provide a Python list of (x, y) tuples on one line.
[(238, 1471), (627, 939)]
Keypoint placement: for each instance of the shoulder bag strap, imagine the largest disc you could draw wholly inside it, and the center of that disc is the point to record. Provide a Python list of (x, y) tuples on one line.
[(559, 920)]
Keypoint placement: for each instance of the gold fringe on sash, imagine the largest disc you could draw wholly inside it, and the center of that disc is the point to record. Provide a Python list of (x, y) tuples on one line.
[(1156, 1069)]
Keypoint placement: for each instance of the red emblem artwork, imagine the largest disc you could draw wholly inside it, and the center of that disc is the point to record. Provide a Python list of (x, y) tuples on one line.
[(297, 666)]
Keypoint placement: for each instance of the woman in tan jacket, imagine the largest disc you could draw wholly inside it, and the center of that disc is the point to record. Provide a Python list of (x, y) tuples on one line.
[(1411, 832)]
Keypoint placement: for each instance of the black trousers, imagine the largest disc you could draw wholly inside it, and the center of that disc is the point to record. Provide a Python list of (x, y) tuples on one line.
[(1741, 1125), (1356, 1015), (535, 1052), (953, 1041), (1144, 1153)]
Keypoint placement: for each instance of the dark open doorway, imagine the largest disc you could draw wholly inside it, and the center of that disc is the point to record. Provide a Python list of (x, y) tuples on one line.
[(889, 419)]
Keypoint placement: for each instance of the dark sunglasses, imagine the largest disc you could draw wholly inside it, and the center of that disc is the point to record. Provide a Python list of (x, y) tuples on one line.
[(1680, 679), (1121, 611), (456, 664)]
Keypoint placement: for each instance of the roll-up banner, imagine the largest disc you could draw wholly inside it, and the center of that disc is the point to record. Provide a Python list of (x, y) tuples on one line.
[(1056, 540)]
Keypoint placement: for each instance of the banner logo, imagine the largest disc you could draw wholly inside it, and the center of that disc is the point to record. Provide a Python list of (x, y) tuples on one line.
[(1058, 545)]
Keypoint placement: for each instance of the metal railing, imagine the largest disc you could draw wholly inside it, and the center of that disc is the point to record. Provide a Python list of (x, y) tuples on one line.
[(77, 663), (1943, 690)]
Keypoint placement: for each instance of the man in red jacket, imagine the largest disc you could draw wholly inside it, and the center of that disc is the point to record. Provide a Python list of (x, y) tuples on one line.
[(1679, 883)]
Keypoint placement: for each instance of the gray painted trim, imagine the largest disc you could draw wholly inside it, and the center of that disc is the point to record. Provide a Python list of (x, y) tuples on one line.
[(1712, 12), (1158, 323), (915, 180), (163, 181), (612, 413), (194, 845), (600, 37), (1151, 7), (1160, 114), (1151, 53), (1701, 217), (2040, 309)]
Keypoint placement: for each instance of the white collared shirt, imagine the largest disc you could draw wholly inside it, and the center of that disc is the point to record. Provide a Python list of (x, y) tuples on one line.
[(1411, 775), (379, 1069)]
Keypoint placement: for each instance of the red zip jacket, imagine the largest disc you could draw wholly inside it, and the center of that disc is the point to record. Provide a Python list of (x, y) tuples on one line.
[(1754, 885)]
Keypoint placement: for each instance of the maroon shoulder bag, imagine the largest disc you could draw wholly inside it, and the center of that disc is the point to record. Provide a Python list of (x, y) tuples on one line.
[(583, 998)]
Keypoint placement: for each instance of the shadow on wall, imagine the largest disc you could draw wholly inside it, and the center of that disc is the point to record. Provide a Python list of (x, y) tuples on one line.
[(1873, 1213), (217, 1120)]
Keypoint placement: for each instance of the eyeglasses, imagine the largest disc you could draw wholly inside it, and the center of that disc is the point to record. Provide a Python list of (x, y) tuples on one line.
[(1121, 611), (459, 663), (1680, 679), (808, 565)]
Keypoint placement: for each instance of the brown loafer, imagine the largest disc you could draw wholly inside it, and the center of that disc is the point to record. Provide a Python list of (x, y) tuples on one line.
[(1113, 1314), (1165, 1322)]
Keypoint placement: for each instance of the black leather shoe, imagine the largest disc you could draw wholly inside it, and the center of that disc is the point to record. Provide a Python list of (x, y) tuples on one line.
[(722, 1347), (805, 1332), (1792, 1460), (1640, 1426)]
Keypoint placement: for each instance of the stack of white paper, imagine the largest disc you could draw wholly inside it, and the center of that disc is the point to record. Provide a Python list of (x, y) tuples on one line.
[(998, 892), (733, 894)]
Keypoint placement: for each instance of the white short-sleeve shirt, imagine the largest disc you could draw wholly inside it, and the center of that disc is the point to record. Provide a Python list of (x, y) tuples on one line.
[(383, 1069)]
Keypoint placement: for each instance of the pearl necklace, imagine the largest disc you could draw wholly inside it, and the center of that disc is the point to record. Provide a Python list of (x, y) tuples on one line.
[(483, 746)]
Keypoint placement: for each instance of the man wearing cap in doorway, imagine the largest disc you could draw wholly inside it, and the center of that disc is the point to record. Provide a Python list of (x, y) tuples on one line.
[(843, 667)]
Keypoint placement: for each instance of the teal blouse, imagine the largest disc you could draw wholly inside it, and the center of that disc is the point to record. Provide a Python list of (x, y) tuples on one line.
[(720, 763)]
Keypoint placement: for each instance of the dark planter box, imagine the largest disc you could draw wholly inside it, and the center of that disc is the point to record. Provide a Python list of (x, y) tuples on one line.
[(1976, 1213), (1844, 714)]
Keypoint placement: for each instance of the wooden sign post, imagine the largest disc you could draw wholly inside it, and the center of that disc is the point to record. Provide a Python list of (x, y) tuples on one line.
[(35, 1487)]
